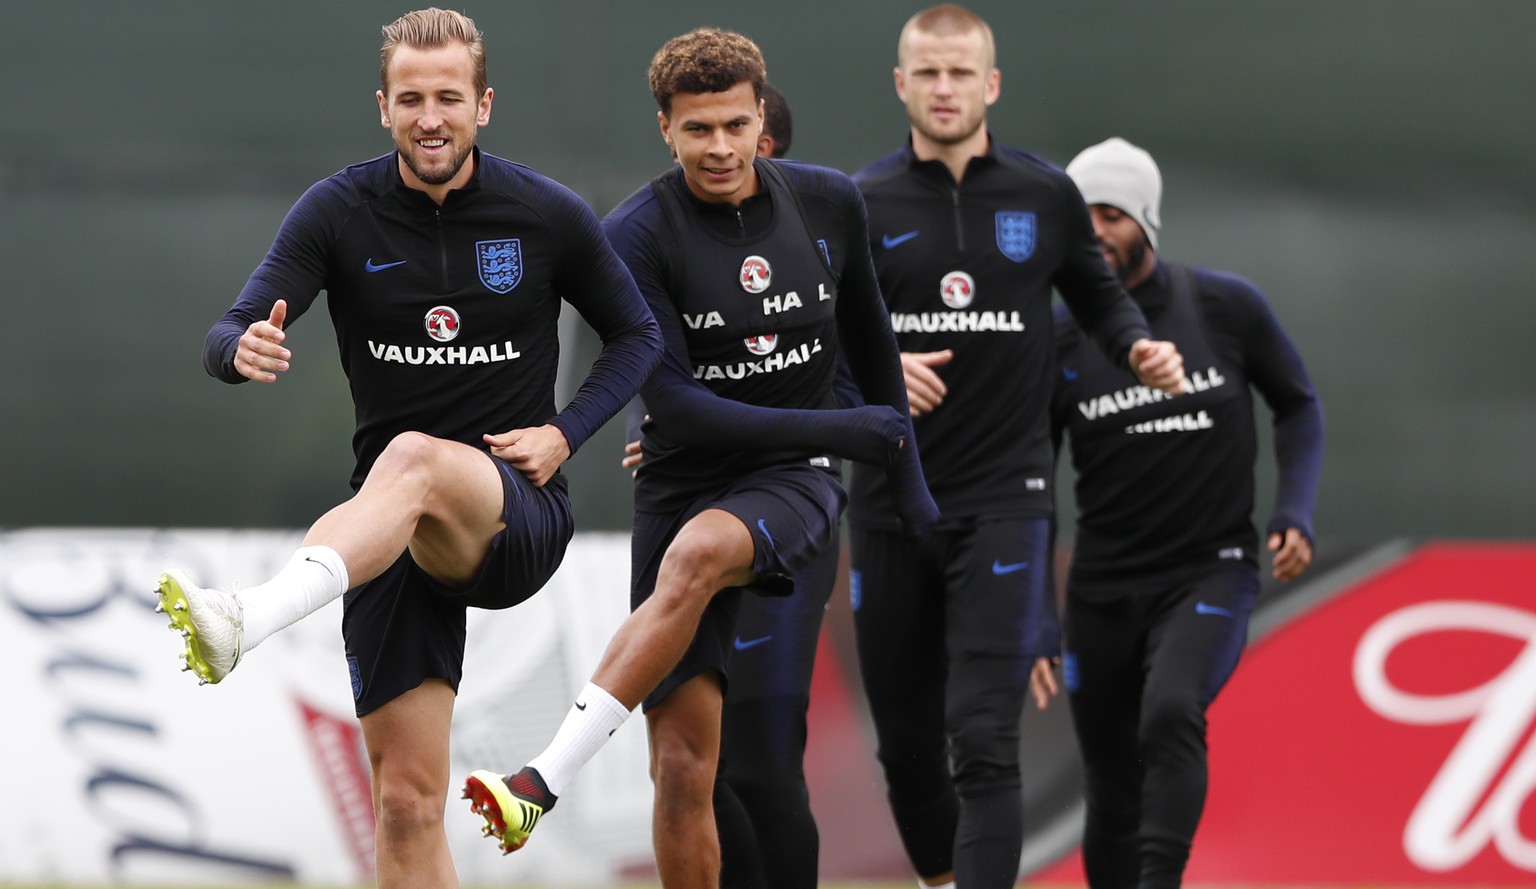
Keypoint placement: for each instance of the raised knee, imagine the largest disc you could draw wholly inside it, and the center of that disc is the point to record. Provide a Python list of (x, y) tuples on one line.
[(405, 451), (695, 566), (405, 465)]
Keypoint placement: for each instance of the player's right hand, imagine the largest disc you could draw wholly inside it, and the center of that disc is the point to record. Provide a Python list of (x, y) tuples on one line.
[(260, 355), (1157, 364), (1042, 681), (925, 389)]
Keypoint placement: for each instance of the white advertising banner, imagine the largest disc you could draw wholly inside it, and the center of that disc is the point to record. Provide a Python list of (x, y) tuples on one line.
[(117, 767)]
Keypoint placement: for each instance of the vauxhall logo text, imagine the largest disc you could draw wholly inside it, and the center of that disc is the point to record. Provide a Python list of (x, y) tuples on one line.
[(1102, 406), (444, 355), (772, 305), (777, 361), (956, 322)]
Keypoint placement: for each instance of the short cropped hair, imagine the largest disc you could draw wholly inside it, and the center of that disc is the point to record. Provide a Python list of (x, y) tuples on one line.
[(778, 123), (945, 20), (706, 60), (434, 28)]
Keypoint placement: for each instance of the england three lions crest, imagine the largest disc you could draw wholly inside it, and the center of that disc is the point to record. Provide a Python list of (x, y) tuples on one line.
[(1016, 234), (500, 263)]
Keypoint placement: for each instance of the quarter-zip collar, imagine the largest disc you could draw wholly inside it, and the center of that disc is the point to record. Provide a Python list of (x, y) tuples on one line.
[(418, 198), (735, 222), (939, 171)]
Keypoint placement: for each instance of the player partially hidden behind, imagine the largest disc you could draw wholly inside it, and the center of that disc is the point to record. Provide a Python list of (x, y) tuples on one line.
[(970, 238), (1165, 569), (768, 836), (759, 274), (444, 269)]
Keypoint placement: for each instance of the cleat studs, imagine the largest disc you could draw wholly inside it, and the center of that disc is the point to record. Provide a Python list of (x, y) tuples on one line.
[(486, 831), (159, 607), (185, 633), (180, 606)]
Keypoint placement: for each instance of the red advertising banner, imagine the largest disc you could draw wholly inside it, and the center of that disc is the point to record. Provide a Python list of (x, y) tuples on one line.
[(1384, 736)]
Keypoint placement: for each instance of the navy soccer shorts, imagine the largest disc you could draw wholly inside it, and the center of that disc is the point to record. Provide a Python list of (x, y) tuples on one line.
[(403, 628), (792, 513)]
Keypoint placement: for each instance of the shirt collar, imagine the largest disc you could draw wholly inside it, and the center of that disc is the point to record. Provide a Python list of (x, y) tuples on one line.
[(935, 167), (755, 213), (457, 194)]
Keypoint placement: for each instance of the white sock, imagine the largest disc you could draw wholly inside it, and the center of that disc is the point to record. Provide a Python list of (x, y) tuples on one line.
[(592, 719), (311, 579), (922, 885)]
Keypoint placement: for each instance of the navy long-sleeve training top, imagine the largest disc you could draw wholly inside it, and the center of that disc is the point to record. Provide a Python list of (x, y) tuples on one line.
[(446, 316), (1163, 483), (971, 267), (756, 303)]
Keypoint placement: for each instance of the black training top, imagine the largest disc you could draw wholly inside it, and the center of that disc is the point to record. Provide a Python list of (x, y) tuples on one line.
[(1164, 484), (970, 267), (446, 315), (755, 303)]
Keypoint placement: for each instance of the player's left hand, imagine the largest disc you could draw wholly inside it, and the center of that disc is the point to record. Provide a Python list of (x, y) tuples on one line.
[(1042, 681), (536, 451), (632, 455), (925, 388), (1158, 365), (1293, 554)]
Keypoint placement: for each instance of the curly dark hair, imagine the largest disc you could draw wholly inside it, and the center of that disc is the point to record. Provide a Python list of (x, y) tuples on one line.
[(706, 60)]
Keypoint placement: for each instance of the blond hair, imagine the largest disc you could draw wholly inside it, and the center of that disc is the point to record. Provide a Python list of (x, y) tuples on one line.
[(434, 28), (947, 20)]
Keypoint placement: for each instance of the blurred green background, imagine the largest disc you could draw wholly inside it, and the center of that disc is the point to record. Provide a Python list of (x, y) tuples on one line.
[(1368, 164)]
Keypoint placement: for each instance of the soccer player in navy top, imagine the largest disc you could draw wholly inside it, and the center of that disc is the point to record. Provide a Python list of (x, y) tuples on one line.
[(1165, 568), (760, 277), (768, 835), (969, 239), (444, 270)]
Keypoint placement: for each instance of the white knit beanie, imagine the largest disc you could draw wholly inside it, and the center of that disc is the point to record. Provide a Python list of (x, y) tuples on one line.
[(1119, 174)]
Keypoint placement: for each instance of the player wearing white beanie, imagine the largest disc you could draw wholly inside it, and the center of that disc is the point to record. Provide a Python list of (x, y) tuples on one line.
[(1165, 573)]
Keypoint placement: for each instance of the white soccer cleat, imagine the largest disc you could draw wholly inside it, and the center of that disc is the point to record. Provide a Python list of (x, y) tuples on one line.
[(211, 621)]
